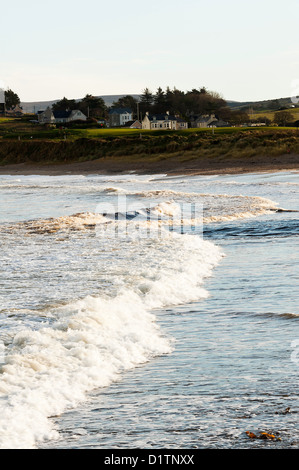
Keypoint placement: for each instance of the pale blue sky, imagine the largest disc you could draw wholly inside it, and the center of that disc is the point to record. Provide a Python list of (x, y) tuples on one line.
[(243, 50)]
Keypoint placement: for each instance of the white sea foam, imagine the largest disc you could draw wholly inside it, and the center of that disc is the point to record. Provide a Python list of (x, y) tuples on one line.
[(90, 342), (213, 208), (216, 207), (53, 354)]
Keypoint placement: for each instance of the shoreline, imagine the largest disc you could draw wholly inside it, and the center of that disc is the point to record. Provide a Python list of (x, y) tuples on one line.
[(171, 166)]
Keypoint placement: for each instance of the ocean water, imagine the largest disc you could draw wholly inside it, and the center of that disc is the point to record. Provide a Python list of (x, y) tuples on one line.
[(149, 311)]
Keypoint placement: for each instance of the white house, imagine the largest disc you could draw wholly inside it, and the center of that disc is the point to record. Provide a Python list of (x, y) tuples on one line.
[(59, 117), (203, 120), (163, 121), (68, 116), (46, 117), (120, 117)]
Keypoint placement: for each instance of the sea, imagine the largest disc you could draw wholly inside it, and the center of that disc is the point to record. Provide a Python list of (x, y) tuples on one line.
[(149, 311)]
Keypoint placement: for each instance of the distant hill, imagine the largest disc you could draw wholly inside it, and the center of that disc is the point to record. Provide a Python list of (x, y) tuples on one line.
[(35, 106), (266, 105)]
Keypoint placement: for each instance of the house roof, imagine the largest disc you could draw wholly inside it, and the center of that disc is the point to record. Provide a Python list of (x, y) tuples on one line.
[(206, 118), (131, 123), (219, 123), (164, 117), (120, 111), (62, 114)]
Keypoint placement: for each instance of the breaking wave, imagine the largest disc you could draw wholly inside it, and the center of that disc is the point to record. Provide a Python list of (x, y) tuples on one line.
[(90, 342)]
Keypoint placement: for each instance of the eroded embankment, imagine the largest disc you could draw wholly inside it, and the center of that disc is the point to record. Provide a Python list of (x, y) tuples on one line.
[(161, 151)]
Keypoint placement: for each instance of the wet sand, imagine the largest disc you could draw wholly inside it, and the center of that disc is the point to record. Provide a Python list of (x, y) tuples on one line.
[(169, 165)]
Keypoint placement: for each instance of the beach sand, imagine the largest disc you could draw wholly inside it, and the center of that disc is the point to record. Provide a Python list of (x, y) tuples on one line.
[(169, 165)]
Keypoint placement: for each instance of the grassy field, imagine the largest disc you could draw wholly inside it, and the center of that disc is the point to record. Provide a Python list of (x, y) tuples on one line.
[(20, 130), (271, 114), (6, 119)]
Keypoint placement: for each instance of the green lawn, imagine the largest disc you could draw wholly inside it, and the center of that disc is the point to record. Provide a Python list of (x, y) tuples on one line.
[(106, 133), (6, 119), (10, 131)]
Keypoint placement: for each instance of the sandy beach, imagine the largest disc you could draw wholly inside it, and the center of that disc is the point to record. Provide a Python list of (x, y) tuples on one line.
[(169, 165)]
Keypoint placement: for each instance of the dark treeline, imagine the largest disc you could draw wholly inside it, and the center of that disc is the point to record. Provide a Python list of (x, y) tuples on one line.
[(91, 106), (185, 104)]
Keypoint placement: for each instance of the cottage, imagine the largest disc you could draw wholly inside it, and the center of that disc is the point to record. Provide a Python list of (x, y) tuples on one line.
[(68, 116), (60, 117), (134, 125), (203, 120), (163, 121), (119, 117), (15, 111), (46, 117), (219, 123)]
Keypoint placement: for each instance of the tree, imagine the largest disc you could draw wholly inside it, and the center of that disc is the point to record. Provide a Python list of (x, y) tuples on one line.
[(283, 117), (203, 90), (159, 101), (11, 99), (239, 117), (127, 101), (264, 119), (168, 99), (178, 102), (203, 101), (64, 105), (186, 104), (93, 106), (146, 101)]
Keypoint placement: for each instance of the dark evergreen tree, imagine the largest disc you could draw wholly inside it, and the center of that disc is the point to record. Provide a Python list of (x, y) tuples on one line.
[(146, 101), (159, 101), (64, 105), (93, 106), (11, 99)]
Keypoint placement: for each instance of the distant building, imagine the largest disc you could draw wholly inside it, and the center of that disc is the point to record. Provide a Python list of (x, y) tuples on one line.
[(15, 111), (60, 117), (163, 121), (207, 120), (257, 124), (68, 116), (119, 117), (203, 120), (134, 125), (219, 123), (46, 117)]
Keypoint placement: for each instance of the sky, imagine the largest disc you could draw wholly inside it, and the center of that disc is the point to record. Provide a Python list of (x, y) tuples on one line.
[(246, 51)]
